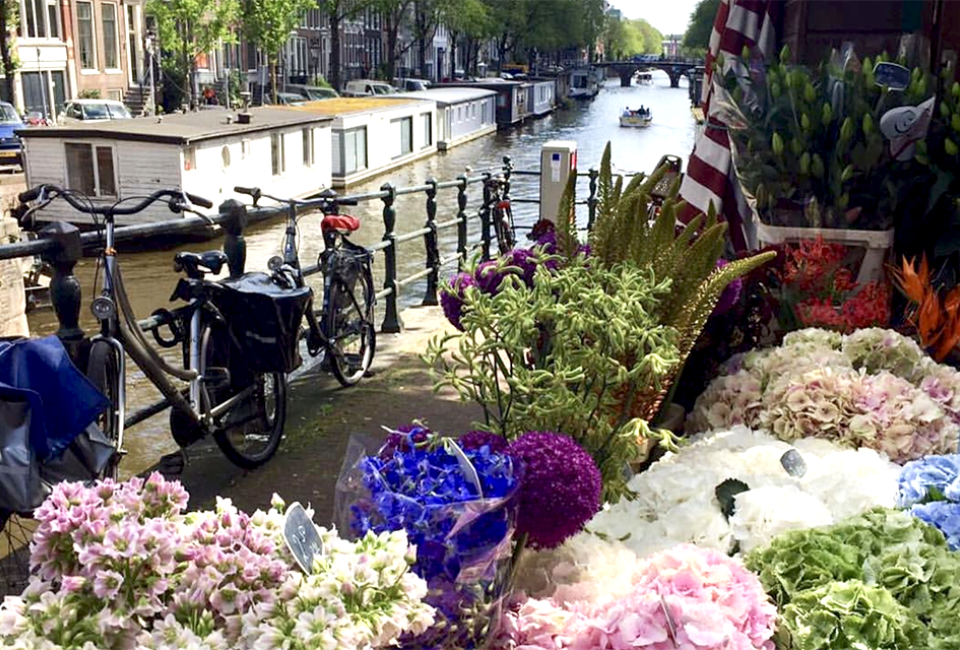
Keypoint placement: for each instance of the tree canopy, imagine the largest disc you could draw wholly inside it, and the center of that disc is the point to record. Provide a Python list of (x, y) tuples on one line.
[(697, 36), (625, 38)]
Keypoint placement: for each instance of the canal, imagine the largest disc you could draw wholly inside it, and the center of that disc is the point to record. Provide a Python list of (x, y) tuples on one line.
[(149, 276)]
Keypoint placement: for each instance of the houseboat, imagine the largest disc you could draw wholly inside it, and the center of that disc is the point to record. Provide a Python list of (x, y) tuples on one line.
[(283, 152), (541, 97), (511, 98), (462, 113), (371, 135), (584, 84)]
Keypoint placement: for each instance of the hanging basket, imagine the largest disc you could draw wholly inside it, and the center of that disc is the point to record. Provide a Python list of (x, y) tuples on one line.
[(871, 248)]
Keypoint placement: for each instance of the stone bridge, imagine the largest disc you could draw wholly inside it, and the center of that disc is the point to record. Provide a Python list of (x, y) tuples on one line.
[(674, 69)]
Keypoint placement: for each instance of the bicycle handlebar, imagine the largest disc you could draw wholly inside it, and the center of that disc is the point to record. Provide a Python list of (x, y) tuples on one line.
[(88, 207), (324, 202)]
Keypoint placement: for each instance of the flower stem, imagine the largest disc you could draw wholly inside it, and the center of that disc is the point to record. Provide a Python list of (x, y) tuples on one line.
[(521, 543)]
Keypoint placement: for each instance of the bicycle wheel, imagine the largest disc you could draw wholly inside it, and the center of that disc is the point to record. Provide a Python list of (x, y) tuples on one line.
[(349, 323), (16, 531), (503, 225), (103, 370), (249, 433)]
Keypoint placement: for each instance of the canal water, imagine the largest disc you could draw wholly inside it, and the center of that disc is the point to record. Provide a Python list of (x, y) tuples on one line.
[(149, 276)]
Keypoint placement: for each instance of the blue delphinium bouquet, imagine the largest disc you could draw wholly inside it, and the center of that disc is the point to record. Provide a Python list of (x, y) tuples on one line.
[(930, 488), (458, 507)]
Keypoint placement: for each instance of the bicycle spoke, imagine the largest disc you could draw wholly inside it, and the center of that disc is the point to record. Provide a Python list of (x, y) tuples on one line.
[(15, 539)]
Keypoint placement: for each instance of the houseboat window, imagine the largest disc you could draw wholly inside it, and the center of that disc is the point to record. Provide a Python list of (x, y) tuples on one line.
[(90, 169), (276, 154), (308, 147), (189, 158), (244, 148), (427, 124), (484, 118), (88, 58), (225, 157), (111, 39), (473, 111), (404, 132), (354, 150)]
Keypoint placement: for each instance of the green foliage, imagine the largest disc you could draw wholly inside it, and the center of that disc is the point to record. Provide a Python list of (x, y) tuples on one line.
[(268, 23), (564, 356), (884, 579), (90, 93), (697, 36)]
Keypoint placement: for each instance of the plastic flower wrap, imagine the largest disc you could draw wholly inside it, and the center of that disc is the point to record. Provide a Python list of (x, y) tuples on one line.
[(687, 597), (458, 508), (930, 488), (872, 388), (121, 566), (677, 499), (883, 579)]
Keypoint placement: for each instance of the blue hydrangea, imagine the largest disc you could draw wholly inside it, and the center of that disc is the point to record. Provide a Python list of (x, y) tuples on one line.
[(939, 473), (945, 515)]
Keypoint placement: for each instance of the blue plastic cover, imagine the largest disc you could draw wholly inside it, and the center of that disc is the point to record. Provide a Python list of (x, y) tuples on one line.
[(62, 400)]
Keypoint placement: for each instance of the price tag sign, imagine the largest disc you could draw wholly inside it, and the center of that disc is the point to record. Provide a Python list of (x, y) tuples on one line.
[(302, 537), (895, 77)]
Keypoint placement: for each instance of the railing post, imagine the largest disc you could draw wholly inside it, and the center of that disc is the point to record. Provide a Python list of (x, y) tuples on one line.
[(485, 223), (462, 221), (431, 245), (507, 171), (65, 292), (391, 318), (234, 243), (592, 199)]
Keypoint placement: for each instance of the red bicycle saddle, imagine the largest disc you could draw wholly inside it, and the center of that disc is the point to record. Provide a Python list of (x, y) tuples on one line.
[(341, 222)]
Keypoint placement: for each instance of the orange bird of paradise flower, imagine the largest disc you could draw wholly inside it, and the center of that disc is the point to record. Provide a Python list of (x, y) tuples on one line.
[(936, 316)]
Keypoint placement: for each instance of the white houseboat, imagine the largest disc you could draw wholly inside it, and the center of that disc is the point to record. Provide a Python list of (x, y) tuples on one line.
[(283, 152), (371, 135), (541, 97), (584, 84), (462, 113)]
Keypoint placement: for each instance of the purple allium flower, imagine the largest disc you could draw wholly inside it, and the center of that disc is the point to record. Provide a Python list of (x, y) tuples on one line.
[(451, 298), (477, 439), (560, 490), (526, 261), (489, 277), (398, 441), (730, 295)]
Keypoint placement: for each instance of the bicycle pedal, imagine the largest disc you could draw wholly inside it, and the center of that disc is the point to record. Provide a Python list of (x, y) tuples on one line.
[(216, 377)]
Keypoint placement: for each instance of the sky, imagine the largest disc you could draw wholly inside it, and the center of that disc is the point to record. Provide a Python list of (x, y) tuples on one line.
[(669, 16)]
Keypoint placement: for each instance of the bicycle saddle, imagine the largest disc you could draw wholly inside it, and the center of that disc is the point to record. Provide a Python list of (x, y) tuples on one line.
[(195, 264), (340, 222)]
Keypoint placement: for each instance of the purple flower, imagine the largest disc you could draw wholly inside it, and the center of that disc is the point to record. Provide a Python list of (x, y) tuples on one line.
[(730, 295), (451, 298), (489, 276), (560, 490), (526, 261), (476, 440), (402, 437)]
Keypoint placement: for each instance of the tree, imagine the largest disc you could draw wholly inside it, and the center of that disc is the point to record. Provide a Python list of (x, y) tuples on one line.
[(651, 38), (337, 11), (469, 20), (700, 27), (396, 14), (268, 23), (189, 28), (9, 18)]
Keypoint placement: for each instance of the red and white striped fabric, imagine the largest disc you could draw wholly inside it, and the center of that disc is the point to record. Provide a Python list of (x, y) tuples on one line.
[(710, 175)]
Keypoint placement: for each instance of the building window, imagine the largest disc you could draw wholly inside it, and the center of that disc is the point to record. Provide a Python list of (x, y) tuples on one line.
[(308, 147), (404, 134), (53, 20), (90, 169), (189, 159), (427, 124), (354, 150), (276, 154), (88, 59), (111, 38)]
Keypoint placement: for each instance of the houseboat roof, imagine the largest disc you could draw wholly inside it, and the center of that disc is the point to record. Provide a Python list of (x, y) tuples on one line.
[(444, 96), (181, 129), (491, 84), (346, 105)]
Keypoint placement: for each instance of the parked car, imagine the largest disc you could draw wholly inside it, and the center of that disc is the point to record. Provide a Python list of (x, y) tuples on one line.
[(411, 85), (37, 118), (290, 99), (93, 110), (10, 149), (312, 93), (367, 87)]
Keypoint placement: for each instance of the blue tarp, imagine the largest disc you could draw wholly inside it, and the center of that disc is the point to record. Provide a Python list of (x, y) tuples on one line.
[(62, 400)]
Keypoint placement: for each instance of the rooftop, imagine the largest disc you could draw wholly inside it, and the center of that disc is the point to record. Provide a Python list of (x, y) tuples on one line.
[(448, 94), (345, 105), (180, 128)]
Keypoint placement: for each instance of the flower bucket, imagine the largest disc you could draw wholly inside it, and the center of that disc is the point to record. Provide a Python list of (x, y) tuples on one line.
[(871, 247)]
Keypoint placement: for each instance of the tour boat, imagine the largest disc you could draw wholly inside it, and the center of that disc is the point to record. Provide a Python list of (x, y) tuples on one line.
[(637, 118)]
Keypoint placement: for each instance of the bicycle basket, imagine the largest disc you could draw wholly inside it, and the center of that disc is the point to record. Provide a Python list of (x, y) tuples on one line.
[(348, 263), (264, 320)]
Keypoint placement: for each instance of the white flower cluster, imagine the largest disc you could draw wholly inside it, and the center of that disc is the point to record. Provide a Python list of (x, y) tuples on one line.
[(675, 500)]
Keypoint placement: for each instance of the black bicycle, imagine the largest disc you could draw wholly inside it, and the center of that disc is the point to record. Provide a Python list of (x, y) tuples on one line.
[(345, 331), (237, 397), (501, 213)]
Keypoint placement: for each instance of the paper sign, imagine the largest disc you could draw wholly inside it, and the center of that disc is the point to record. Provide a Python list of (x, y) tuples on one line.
[(904, 126), (302, 537)]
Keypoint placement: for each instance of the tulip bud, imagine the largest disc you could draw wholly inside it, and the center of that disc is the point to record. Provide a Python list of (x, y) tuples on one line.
[(921, 146), (805, 163), (796, 147), (775, 91), (745, 53), (827, 116), (922, 87), (867, 123), (816, 166), (955, 89), (809, 93), (867, 64), (915, 74), (847, 173), (738, 94), (777, 144), (843, 201), (847, 130), (944, 110), (784, 54), (805, 122), (950, 147)]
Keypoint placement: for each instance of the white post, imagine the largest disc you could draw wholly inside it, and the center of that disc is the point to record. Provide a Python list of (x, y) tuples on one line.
[(558, 159)]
